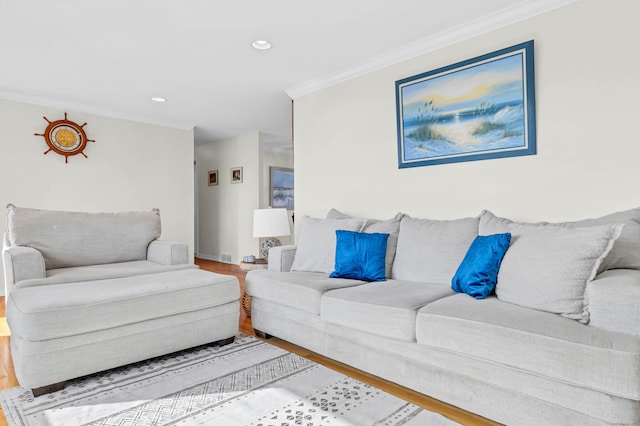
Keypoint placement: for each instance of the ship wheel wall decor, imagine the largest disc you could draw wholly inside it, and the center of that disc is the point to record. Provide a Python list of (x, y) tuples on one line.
[(65, 137)]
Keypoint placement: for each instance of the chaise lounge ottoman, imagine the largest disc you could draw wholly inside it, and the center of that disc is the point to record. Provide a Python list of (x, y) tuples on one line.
[(70, 321)]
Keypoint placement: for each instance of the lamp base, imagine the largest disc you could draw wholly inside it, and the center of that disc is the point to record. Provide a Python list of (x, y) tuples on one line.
[(266, 244)]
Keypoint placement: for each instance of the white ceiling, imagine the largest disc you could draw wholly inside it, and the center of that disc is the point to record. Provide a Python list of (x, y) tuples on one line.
[(110, 57)]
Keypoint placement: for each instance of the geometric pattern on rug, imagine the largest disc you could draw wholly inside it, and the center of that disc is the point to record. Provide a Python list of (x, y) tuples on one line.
[(174, 407), (337, 400), (249, 383)]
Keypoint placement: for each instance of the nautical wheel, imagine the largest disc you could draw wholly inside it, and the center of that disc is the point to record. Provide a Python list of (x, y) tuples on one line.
[(65, 137)]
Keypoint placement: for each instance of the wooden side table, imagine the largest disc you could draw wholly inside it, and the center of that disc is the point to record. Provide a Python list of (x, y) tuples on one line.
[(246, 299), (258, 264)]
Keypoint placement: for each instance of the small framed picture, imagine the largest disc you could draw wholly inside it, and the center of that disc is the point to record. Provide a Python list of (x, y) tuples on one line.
[(236, 175), (213, 177)]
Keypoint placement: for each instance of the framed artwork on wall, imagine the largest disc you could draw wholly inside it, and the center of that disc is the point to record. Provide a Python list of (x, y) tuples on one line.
[(236, 175), (281, 188), (476, 109), (213, 178)]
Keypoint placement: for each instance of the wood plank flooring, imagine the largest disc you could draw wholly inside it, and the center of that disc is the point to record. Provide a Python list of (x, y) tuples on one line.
[(7, 374), (8, 378)]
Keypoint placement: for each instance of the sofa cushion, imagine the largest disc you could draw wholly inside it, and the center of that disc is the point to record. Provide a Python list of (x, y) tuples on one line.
[(360, 256), (299, 290), (102, 272), (626, 250), (316, 250), (548, 268), (614, 301), (52, 311), (431, 250), (544, 344), (478, 273), (386, 308), (389, 226), (68, 239)]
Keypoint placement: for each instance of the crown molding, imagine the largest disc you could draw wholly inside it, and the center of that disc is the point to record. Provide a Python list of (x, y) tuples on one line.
[(90, 109), (443, 39)]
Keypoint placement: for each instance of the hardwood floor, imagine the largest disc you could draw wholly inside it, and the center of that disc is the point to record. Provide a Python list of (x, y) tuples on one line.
[(8, 378), (7, 375)]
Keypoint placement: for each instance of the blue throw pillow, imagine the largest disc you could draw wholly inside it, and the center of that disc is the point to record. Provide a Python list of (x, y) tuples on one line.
[(360, 256), (478, 273)]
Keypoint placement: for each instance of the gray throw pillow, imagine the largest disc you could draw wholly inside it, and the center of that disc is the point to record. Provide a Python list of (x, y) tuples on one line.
[(372, 226), (431, 250), (626, 250), (316, 246), (548, 267)]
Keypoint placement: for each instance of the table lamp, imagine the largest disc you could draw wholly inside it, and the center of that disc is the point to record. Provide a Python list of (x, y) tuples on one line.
[(269, 224)]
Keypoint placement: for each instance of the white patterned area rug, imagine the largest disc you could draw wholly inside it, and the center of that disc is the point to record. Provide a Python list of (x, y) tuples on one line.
[(249, 383)]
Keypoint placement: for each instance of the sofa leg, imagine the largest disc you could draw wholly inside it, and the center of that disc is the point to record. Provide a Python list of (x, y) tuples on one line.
[(224, 342), (262, 334), (48, 389)]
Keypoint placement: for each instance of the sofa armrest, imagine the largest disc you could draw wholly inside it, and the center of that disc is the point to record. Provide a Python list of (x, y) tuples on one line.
[(21, 263), (281, 258), (614, 301), (168, 253)]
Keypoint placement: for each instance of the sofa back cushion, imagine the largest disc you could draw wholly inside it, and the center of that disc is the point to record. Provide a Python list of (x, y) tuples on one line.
[(549, 267), (431, 250), (626, 250), (316, 250), (68, 239)]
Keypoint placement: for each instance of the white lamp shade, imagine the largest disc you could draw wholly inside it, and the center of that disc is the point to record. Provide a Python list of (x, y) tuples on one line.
[(270, 223)]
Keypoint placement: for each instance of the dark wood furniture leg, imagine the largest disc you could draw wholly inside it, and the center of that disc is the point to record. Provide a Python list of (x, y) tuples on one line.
[(224, 342), (262, 334), (48, 389)]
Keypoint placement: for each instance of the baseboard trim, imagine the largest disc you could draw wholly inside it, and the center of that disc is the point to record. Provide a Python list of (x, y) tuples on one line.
[(214, 259), (208, 257)]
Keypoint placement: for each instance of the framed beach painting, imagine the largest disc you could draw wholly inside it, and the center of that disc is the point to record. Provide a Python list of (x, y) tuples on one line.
[(281, 188), (477, 109)]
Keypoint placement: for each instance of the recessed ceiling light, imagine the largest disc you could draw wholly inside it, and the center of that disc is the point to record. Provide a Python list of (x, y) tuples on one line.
[(158, 99), (261, 45)]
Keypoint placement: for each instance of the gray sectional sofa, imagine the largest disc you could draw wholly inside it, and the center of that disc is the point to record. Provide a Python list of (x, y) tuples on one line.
[(558, 343), (87, 292)]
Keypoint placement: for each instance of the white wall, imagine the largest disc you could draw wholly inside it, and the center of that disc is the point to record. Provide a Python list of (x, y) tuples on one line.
[(131, 166), (587, 92), (225, 211)]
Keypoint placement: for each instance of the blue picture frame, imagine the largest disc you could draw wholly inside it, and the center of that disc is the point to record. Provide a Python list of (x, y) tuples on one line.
[(281, 192), (477, 109)]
